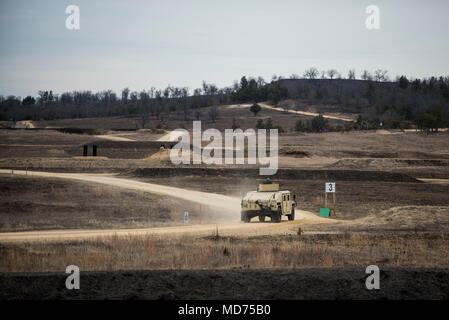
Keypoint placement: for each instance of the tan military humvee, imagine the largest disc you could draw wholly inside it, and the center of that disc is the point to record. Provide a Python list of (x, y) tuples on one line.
[(268, 201)]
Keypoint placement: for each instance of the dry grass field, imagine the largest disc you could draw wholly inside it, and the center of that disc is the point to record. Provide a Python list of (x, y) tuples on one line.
[(241, 113), (30, 203), (420, 250), (389, 212)]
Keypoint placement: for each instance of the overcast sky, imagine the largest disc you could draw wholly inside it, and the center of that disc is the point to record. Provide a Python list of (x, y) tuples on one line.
[(139, 44)]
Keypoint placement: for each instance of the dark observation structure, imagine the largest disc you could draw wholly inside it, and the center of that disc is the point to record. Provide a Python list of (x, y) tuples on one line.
[(86, 148)]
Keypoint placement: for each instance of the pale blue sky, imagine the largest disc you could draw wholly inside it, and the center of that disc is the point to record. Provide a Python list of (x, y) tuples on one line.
[(139, 44)]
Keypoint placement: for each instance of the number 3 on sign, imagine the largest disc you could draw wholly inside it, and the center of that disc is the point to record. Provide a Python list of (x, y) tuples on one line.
[(330, 186)]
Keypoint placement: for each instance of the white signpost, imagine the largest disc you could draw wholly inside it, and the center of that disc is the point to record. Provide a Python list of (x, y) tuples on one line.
[(330, 188), (186, 217)]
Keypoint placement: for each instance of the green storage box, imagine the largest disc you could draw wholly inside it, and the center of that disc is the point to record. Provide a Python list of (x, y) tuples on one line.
[(325, 212)]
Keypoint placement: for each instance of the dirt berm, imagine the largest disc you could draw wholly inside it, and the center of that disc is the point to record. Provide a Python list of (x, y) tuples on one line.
[(323, 283), (293, 174)]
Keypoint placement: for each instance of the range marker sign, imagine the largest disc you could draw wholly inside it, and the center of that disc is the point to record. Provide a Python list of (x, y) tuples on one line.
[(330, 187)]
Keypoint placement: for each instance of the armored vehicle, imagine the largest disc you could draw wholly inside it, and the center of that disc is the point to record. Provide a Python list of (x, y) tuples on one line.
[(268, 201)]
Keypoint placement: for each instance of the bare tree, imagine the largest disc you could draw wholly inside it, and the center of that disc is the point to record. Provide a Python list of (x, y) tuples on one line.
[(213, 89), (332, 73), (235, 86), (311, 73), (351, 74), (205, 88), (380, 75), (366, 75), (167, 92), (133, 96), (125, 93), (209, 89)]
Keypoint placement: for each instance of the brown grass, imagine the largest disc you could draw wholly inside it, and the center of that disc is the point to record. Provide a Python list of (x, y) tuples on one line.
[(32, 203), (216, 252)]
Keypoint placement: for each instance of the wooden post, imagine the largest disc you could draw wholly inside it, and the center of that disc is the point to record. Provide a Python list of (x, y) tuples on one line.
[(325, 191), (334, 200), (325, 200)]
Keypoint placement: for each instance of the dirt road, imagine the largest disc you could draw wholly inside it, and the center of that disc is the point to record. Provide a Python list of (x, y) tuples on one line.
[(312, 114), (221, 202), (437, 181), (112, 137), (227, 229), (306, 113)]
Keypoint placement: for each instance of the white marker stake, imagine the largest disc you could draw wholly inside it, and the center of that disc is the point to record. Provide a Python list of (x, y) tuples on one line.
[(186, 217)]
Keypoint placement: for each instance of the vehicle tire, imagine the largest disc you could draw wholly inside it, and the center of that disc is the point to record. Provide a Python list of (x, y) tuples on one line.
[(261, 218), (291, 216), (277, 217), (244, 217)]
